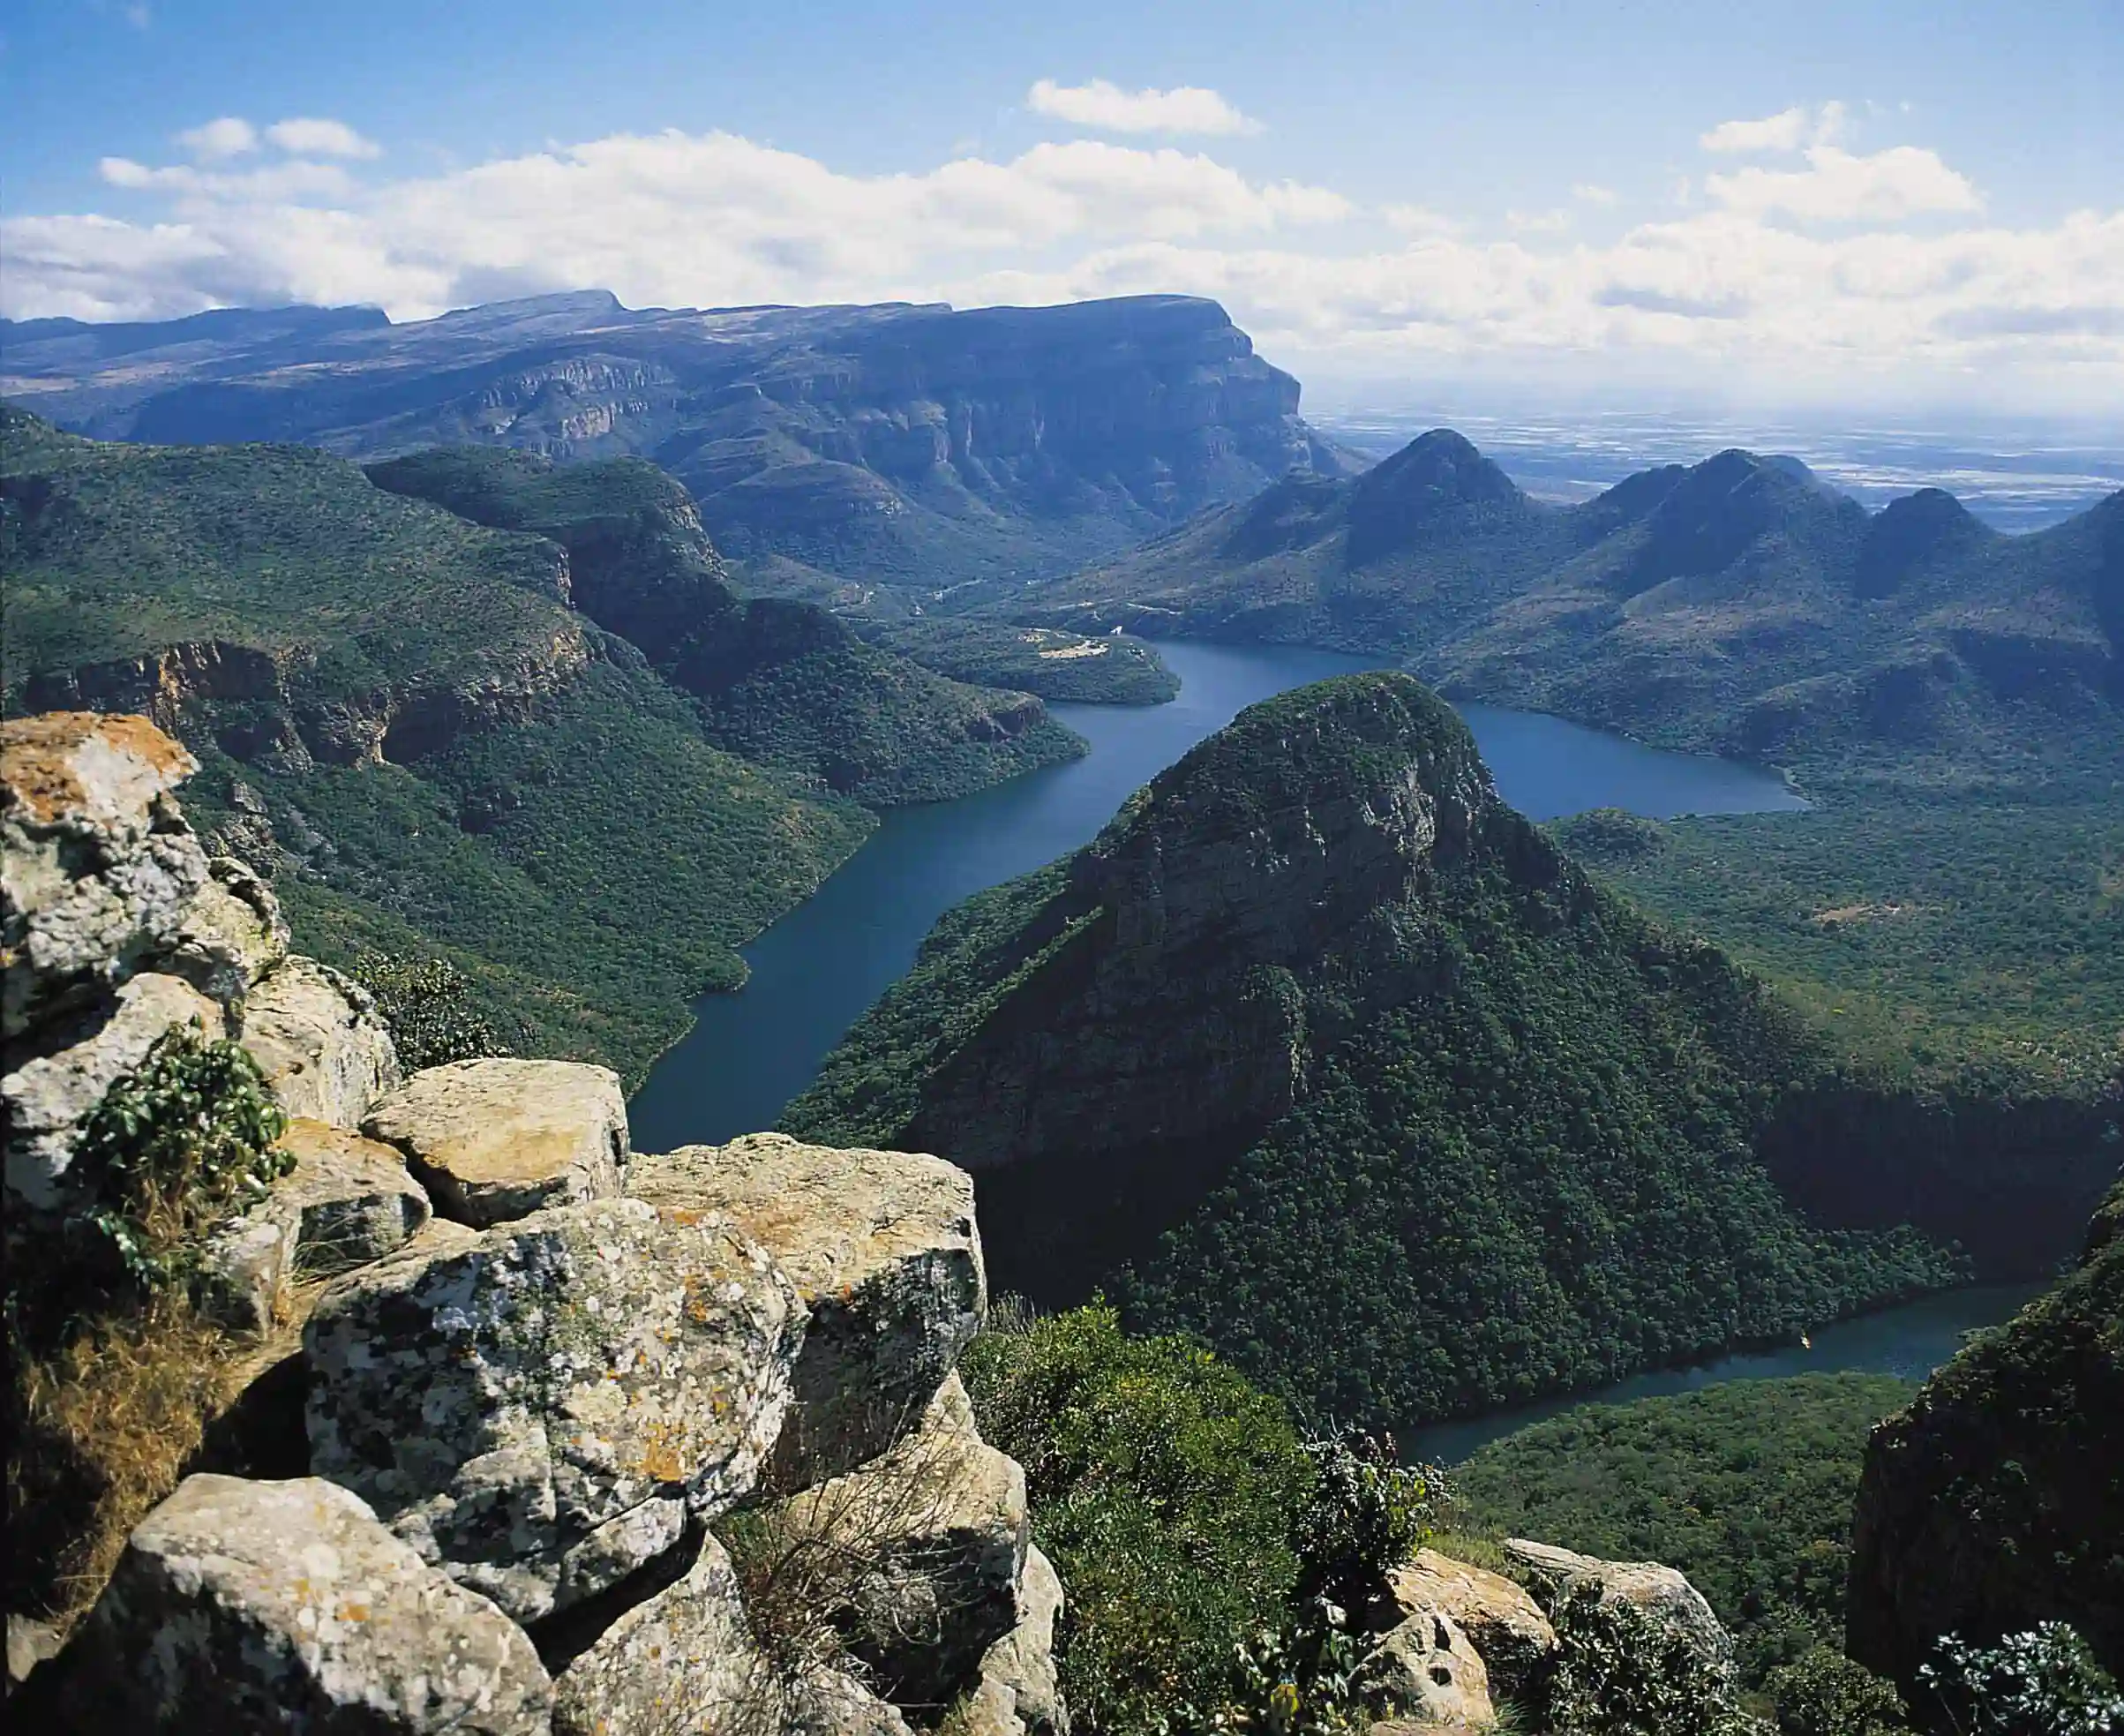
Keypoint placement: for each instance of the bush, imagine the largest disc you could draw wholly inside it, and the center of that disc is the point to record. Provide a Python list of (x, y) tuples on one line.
[(1365, 1516), (428, 1004), (1621, 1672), (1826, 1694), (2044, 1682)]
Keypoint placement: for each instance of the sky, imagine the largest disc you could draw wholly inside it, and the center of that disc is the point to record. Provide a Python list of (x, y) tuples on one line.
[(1853, 207)]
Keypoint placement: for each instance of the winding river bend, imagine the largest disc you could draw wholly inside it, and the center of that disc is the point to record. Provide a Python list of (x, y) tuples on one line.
[(816, 971)]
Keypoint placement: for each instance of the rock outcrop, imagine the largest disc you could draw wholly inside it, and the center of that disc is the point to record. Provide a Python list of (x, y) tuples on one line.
[(255, 1606), (882, 1249), (498, 1140), (1995, 1501), (1426, 1670), (316, 1036), (1505, 1626)]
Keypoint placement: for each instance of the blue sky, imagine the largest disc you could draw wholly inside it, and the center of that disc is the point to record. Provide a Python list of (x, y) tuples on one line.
[(1888, 203)]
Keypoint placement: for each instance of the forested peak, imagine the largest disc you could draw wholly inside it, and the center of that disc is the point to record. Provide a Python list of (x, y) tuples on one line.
[(1441, 469)]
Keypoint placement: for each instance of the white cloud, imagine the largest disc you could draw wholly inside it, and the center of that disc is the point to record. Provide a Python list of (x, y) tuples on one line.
[(1785, 131), (1588, 193), (1733, 289), (1185, 109), (1538, 223), (314, 138), (229, 137), (1838, 187)]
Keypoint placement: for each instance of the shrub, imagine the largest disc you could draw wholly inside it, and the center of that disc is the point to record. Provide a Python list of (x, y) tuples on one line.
[(428, 1004), (1364, 1516), (2044, 1682), (1622, 1671), (1826, 1694)]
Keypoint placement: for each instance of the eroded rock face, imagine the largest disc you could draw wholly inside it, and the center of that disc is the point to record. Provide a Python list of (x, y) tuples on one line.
[(498, 1140), (324, 1051), (49, 1095), (352, 1199), (541, 1411), (1505, 1626), (232, 935), (97, 866), (1661, 1592), (939, 1526), (1428, 1670), (1018, 1674), (883, 1247), (242, 1607)]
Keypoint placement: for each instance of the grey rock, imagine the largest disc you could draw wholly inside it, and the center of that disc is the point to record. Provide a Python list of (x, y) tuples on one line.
[(97, 866), (352, 1199), (1661, 1592), (246, 1265), (30, 1643), (1021, 1664), (1504, 1624), (509, 1405), (50, 1093), (1426, 1669), (242, 1607), (499, 1140), (316, 1035), (232, 935), (883, 1248), (931, 1538)]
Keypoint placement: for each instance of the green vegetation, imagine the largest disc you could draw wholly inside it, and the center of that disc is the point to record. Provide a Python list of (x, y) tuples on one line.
[(1434, 1133), (429, 1005), (1108, 670), (1196, 1533), (2044, 1682), (780, 683), (1623, 1671), (1746, 1487)]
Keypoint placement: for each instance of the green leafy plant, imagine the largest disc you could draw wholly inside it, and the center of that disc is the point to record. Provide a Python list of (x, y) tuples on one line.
[(1826, 1694), (2043, 1682), (184, 1140), (1621, 1672), (427, 1004), (1364, 1516)]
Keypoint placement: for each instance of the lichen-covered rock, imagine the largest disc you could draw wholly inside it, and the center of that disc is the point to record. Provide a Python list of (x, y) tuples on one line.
[(82, 1055), (352, 1199), (540, 1411), (934, 1534), (97, 866), (242, 1607), (883, 1247), (1021, 1666), (1428, 1670), (245, 1267), (1662, 1592), (325, 1053), (1505, 1626), (232, 934), (499, 1140)]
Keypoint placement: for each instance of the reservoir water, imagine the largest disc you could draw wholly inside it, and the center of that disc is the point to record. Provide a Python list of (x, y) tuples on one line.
[(815, 971)]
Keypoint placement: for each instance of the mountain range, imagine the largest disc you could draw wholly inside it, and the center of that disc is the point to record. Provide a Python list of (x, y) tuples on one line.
[(1736, 605), (906, 448)]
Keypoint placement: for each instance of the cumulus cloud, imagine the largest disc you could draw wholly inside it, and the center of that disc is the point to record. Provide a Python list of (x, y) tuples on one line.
[(1108, 107), (1786, 131), (1793, 273), (229, 137), (1538, 223), (1837, 186), (307, 136), (1588, 193)]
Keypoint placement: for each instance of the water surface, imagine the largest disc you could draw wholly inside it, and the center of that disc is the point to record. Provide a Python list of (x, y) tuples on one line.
[(815, 971)]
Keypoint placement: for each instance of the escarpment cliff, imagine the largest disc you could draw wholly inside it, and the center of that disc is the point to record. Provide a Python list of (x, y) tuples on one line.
[(915, 446), (1323, 1053), (486, 1423)]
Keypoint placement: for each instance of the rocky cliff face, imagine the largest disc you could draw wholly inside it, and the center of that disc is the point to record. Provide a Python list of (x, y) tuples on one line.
[(558, 1438), (1996, 1500), (916, 444)]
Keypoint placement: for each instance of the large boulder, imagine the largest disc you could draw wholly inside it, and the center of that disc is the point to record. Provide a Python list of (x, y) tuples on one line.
[(928, 1543), (499, 1140), (242, 1607), (324, 1051), (883, 1247), (541, 1411), (1504, 1624), (97, 866), (232, 935), (1662, 1592), (1426, 1669), (82, 1053)]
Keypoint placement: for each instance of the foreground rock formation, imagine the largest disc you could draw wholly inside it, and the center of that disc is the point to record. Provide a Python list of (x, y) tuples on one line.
[(596, 1443)]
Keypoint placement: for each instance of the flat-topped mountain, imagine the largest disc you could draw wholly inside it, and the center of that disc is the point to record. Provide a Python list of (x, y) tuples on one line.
[(1737, 604), (1322, 1052), (918, 446)]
